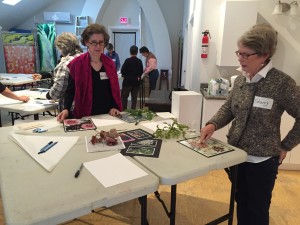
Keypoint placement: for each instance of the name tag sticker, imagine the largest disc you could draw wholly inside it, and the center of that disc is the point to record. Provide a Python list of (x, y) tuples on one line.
[(261, 102), (103, 76)]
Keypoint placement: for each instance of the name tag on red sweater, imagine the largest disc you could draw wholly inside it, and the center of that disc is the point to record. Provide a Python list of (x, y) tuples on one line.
[(261, 102), (103, 76)]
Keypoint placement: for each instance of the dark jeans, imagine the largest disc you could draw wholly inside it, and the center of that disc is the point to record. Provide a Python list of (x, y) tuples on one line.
[(126, 90), (255, 184), (153, 75)]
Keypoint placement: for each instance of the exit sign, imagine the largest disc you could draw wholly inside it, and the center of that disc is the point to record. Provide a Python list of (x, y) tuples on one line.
[(123, 20)]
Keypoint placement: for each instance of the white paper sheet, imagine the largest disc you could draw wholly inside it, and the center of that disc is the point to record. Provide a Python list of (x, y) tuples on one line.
[(32, 145), (106, 122), (165, 115), (114, 170), (153, 125)]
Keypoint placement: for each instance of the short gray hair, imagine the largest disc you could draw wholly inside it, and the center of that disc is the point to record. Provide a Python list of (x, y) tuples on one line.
[(67, 43), (261, 38)]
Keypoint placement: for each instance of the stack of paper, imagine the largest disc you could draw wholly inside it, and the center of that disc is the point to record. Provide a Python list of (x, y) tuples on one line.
[(33, 144)]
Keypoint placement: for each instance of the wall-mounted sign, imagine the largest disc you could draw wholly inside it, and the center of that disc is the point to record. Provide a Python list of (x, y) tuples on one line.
[(123, 20)]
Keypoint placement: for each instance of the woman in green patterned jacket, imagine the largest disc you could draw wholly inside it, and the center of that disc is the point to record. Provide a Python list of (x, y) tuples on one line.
[(255, 106)]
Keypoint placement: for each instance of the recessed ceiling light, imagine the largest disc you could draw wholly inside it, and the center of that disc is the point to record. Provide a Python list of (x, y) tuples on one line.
[(10, 2)]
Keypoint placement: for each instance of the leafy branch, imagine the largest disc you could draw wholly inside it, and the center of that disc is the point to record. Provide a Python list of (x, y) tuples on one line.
[(173, 130), (139, 113)]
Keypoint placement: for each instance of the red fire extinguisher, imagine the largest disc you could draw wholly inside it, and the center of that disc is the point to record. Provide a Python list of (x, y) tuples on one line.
[(204, 51)]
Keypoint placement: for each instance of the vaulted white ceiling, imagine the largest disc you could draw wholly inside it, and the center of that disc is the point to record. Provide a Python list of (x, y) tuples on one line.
[(12, 16)]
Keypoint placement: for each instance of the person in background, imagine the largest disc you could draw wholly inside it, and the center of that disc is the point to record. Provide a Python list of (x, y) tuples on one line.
[(131, 71), (93, 82), (255, 106), (68, 44), (151, 67), (113, 55), (9, 94)]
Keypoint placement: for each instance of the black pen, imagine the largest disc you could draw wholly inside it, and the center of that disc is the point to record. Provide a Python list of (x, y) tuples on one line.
[(40, 98), (137, 122), (47, 147), (78, 171)]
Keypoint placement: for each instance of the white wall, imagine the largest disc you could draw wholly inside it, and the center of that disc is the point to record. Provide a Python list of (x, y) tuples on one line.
[(207, 16), (288, 50), (172, 11)]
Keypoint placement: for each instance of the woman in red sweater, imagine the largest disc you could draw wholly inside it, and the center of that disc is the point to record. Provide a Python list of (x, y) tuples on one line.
[(93, 83)]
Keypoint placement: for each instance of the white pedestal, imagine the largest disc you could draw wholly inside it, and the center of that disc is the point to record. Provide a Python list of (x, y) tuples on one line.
[(187, 107)]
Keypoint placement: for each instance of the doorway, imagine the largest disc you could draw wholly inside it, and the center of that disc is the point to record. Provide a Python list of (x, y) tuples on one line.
[(122, 42)]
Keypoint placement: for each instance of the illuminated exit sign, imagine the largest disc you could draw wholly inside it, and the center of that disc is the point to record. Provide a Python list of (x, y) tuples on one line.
[(123, 20)]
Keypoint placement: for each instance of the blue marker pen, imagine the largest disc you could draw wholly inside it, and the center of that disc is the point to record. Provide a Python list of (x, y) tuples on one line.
[(47, 147)]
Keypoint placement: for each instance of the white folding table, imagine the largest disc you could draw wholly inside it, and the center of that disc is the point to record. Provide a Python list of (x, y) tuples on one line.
[(177, 163), (28, 108), (33, 196)]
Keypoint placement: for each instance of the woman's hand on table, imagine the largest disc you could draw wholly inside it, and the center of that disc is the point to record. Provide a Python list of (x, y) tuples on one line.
[(114, 112), (63, 115), (206, 132), (24, 98)]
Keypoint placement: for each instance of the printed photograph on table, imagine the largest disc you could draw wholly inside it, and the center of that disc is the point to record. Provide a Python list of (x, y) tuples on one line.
[(211, 148), (146, 147), (71, 125), (139, 134), (125, 138)]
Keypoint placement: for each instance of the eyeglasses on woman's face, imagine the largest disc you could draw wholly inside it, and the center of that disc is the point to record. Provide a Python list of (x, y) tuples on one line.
[(244, 55), (95, 43)]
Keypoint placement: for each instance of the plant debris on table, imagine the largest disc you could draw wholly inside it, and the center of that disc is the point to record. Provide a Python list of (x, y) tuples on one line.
[(108, 137), (139, 113), (173, 130)]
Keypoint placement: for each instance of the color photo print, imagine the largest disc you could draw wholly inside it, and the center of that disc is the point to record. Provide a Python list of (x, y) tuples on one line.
[(213, 148), (71, 125), (140, 143)]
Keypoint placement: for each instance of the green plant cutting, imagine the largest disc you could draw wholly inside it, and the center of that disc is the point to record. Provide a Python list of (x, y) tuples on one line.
[(139, 113), (173, 130)]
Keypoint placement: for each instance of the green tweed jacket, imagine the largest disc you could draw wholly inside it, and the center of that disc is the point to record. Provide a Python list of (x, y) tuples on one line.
[(257, 130)]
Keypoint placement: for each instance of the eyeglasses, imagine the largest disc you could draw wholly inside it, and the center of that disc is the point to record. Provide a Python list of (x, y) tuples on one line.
[(95, 43), (244, 55)]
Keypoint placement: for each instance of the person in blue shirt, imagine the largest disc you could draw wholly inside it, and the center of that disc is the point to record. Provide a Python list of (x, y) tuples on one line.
[(113, 55)]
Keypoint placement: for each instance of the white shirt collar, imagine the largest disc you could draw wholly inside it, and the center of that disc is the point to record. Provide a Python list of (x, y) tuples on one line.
[(260, 74)]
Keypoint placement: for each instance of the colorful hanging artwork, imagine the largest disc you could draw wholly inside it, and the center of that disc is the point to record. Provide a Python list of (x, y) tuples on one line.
[(47, 53), (19, 59), (19, 52)]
